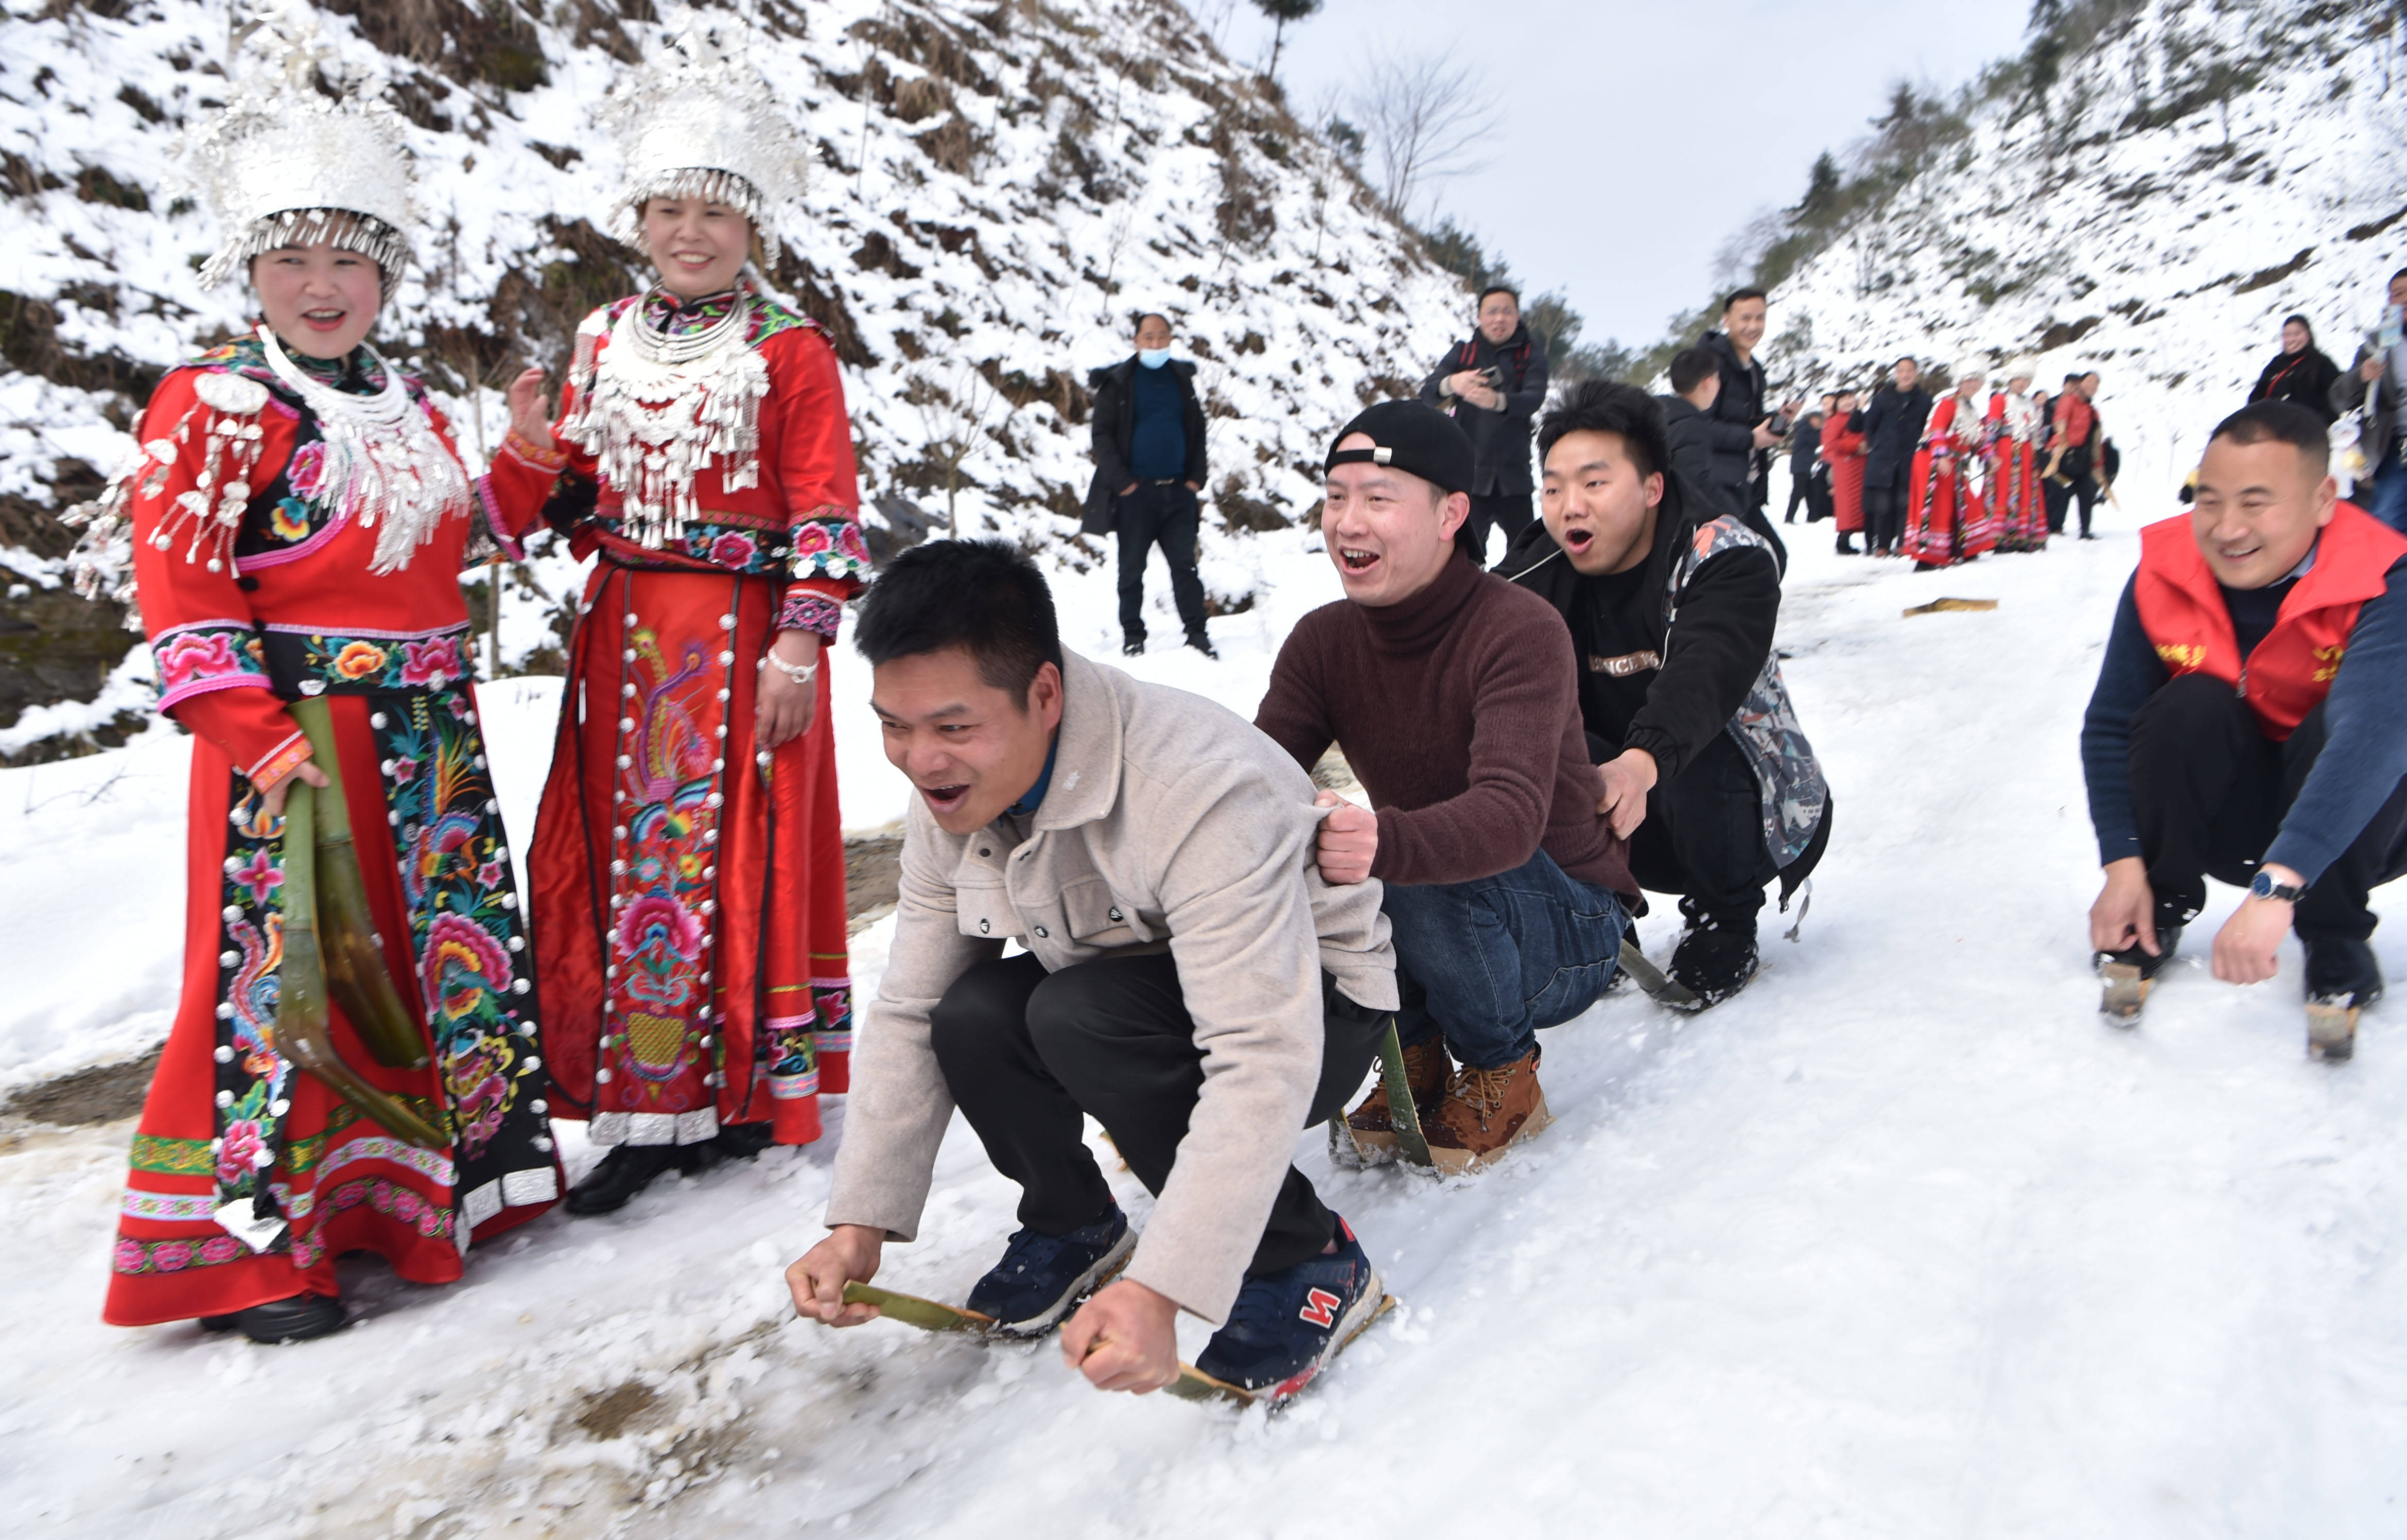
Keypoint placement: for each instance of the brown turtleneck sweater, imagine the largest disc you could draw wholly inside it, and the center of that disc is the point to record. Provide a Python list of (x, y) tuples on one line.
[(1459, 709)]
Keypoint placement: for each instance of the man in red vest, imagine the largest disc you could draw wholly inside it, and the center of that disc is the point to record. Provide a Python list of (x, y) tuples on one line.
[(2250, 724)]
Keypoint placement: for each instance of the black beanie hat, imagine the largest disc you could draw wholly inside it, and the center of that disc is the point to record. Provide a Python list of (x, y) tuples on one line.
[(1413, 437)]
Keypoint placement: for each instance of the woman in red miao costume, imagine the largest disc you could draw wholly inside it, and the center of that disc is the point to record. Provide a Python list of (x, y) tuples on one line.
[(2016, 502), (298, 524), (688, 865), (1946, 520)]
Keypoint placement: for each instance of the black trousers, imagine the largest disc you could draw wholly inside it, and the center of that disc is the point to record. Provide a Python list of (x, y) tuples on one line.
[(2210, 791), (1494, 510), (1025, 1053), (1703, 838), (1813, 495), (1884, 518), (1167, 514), (2060, 499)]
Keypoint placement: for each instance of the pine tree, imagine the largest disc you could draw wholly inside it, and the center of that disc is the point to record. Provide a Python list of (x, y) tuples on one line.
[(1282, 12), (1821, 199)]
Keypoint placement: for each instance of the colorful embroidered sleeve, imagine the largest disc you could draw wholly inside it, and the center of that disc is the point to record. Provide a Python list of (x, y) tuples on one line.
[(815, 605), (815, 465), (207, 439)]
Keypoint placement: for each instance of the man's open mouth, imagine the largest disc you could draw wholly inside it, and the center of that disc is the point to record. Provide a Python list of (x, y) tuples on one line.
[(1357, 561), (943, 799), (1578, 540)]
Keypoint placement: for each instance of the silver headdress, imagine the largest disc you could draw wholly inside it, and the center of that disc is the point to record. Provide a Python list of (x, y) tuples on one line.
[(699, 121), (283, 165)]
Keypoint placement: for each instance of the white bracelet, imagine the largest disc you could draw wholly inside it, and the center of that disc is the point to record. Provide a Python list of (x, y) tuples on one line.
[(799, 673)]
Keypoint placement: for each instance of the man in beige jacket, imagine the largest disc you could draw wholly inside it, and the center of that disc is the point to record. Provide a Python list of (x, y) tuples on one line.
[(1189, 979)]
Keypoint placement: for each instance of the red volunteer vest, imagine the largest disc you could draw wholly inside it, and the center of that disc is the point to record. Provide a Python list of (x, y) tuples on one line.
[(2291, 670)]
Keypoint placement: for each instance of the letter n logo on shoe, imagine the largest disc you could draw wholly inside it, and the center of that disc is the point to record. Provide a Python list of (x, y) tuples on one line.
[(1320, 1307)]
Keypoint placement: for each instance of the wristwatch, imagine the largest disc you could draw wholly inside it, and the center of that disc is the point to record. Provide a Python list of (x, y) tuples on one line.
[(2265, 887)]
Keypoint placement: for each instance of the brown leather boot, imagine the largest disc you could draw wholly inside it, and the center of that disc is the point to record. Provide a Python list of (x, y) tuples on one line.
[(1485, 1112), (1426, 1069)]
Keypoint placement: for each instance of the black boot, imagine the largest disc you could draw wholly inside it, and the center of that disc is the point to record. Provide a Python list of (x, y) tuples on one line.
[(1203, 644), (1715, 957), (733, 1142), (627, 1170), (1133, 644), (1847, 546), (2341, 971), (295, 1319)]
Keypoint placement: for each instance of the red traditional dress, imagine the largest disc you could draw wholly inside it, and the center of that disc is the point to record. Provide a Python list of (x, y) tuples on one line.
[(1946, 521), (1842, 450), (2017, 499), (277, 555), (689, 888)]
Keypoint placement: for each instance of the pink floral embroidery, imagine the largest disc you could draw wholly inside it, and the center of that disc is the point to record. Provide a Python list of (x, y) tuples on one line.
[(405, 771), (307, 469), (239, 1152), (731, 550), (432, 662), (260, 878), (489, 876), (196, 655), (658, 920), (849, 542), (464, 966), (812, 540)]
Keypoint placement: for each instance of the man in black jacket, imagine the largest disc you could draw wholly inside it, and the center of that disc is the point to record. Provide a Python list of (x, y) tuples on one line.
[(1806, 482), (1740, 429), (1671, 601), (1892, 429), (1494, 384), (1149, 470), (1689, 428)]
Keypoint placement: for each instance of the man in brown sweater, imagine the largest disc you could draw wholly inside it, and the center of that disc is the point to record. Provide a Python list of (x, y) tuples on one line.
[(1455, 698)]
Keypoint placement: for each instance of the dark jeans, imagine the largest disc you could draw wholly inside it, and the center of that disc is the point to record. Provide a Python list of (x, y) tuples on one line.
[(2384, 497), (1026, 1052), (1488, 963), (1884, 518), (1162, 513), (1816, 496), (1493, 510), (1703, 837), (2210, 791)]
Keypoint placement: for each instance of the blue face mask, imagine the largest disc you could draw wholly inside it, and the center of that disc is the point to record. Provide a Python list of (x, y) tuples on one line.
[(1153, 358)]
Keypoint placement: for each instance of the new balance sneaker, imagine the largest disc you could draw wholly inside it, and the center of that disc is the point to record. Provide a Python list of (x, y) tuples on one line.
[(1715, 957), (1485, 1113), (1041, 1278), (1427, 1070), (1286, 1326)]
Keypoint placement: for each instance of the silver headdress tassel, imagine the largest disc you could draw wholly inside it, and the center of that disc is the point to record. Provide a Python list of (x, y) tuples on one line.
[(283, 165), (699, 123)]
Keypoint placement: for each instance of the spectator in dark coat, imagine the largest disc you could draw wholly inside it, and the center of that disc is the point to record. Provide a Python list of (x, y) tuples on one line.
[(1891, 424), (1493, 384), (1742, 430), (2376, 383), (2300, 372), (1687, 429), (1149, 471), (1807, 484)]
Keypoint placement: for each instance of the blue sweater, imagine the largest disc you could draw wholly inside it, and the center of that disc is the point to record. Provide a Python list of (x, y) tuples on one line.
[(2365, 727), (1157, 441)]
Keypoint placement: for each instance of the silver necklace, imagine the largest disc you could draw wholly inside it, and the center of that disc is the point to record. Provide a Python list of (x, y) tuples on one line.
[(385, 463)]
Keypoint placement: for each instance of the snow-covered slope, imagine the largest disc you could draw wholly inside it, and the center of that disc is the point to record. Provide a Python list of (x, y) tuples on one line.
[(1902, 1242), (998, 189), (2200, 171)]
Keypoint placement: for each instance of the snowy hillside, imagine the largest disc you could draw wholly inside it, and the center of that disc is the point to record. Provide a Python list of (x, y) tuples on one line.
[(999, 188), (2196, 172), (1902, 1242)]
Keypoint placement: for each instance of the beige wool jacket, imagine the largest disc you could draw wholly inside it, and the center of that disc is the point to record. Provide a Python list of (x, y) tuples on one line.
[(1169, 822)]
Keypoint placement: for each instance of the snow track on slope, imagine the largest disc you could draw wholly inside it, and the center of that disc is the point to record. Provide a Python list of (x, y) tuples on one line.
[(1903, 1241)]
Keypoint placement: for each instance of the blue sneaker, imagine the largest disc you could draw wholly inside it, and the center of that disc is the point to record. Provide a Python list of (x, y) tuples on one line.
[(1041, 1276), (1286, 1326)]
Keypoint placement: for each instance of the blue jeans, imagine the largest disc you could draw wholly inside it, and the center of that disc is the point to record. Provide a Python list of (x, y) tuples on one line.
[(1488, 963), (2384, 497)]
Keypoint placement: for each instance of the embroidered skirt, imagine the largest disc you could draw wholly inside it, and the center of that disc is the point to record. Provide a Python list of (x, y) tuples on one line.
[(1946, 521), (688, 888), (228, 1114)]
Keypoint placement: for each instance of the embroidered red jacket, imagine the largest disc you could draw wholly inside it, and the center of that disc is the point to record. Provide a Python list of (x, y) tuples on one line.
[(290, 571), (2291, 670), (798, 523)]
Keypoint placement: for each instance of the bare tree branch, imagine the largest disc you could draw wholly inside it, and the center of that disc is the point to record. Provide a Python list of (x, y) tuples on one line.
[(1425, 117)]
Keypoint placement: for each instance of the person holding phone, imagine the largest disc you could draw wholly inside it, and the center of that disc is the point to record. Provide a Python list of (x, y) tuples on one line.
[(1493, 383)]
